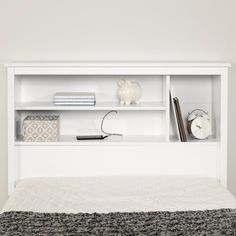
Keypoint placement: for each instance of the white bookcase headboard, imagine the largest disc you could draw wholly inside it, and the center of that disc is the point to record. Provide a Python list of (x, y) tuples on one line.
[(149, 145)]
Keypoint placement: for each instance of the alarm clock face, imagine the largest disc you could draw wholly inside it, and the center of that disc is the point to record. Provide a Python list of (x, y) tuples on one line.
[(200, 128)]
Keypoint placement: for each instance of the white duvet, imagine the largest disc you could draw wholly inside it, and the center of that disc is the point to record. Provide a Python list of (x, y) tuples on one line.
[(123, 194)]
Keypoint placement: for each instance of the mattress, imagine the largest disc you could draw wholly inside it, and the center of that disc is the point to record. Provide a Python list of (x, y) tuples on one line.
[(119, 194)]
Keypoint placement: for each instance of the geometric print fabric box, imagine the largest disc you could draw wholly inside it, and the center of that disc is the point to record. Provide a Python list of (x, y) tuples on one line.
[(41, 128)]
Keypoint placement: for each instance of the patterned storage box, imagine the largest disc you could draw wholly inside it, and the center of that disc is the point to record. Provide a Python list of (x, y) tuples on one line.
[(41, 128)]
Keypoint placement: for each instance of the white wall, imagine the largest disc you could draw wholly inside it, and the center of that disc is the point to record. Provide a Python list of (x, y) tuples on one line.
[(118, 30)]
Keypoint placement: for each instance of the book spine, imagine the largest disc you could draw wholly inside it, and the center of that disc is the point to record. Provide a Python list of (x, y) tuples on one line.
[(75, 97), (175, 115), (74, 100), (183, 135), (73, 104)]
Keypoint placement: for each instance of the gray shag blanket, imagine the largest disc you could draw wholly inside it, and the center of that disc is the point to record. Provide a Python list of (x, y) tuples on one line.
[(209, 222)]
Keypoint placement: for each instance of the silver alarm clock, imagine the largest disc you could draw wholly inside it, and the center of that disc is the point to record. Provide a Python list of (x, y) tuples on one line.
[(199, 124)]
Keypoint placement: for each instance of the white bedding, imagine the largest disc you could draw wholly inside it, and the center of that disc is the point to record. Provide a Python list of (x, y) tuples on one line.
[(124, 194)]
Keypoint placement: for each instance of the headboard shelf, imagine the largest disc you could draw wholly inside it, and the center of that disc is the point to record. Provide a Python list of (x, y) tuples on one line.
[(148, 128)]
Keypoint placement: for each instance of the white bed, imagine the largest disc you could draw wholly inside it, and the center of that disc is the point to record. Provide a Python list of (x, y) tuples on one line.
[(119, 194)]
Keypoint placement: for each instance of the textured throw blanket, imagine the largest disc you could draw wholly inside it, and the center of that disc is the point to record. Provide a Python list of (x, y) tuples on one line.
[(210, 222)]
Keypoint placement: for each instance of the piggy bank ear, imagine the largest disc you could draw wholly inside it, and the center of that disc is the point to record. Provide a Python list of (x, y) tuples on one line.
[(128, 82), (120, 82)]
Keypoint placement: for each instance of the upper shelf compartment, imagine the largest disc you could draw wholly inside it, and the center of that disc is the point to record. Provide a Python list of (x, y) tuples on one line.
[(198, 92), (36, 92)]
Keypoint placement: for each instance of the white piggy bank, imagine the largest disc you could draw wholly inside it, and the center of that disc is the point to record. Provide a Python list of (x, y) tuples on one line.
[(129, 92)]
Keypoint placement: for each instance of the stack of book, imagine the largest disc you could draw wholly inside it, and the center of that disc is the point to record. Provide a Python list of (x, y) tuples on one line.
[(74, 99)]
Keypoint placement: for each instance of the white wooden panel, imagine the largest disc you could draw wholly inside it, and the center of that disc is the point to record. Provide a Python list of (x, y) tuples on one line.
[(159, 159), (100, 106), (167, 114), (216, 105), (12, 161), (125, 140), (118, 70), (223, 127), (115, 64)]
